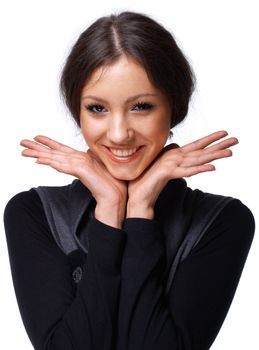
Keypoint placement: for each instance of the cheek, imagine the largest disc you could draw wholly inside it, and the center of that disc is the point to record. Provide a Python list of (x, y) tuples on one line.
[(90, 130), (159, 130)]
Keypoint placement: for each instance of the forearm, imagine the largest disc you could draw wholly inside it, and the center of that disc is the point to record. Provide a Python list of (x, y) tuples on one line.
[(144, 319), (96, 303), (57, 313), (191, 315)]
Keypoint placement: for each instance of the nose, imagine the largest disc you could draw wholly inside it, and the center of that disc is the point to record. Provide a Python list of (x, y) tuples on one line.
[(119, 130)]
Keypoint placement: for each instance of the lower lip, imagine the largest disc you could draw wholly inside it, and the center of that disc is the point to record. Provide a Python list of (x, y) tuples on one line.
[(124, 159)]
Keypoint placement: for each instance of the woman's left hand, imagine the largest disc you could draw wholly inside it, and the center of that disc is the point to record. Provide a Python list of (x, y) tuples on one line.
[(175, 162)]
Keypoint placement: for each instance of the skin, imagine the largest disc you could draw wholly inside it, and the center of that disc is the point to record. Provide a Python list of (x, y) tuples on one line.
[(117, 123), (128, 188)]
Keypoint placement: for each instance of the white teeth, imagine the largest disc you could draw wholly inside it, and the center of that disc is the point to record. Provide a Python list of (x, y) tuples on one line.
[(123, 152)]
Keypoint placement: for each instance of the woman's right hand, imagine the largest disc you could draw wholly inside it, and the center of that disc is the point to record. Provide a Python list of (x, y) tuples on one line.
[(110, 193)]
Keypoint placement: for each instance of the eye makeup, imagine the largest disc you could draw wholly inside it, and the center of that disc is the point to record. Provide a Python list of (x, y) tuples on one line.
[(142, 106), (138, 106), (94, 108)]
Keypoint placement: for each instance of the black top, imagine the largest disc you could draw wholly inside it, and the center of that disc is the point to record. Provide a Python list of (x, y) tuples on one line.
[(113, 298)]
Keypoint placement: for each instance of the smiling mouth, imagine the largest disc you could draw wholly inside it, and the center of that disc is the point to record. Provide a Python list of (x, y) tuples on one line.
[(123, 152), (123, 155)]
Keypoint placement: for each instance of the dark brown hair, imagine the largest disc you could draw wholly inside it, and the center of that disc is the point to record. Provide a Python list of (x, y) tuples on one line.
[(136, 35)]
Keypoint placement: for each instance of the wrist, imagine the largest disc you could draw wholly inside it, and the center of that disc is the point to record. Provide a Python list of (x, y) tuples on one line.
[(110, 215), (139, 211)]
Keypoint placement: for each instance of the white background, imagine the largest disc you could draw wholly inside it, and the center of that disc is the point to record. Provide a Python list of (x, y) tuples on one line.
[(221, 40)]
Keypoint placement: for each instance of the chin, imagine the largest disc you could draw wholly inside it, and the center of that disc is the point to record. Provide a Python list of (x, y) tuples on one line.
[(126, 176)]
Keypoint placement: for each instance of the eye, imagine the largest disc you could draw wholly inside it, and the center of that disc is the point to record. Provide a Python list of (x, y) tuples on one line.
[(95, 108), (142, 106)]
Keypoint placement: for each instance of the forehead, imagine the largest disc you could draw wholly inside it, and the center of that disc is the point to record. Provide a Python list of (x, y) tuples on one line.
[(125, 74)]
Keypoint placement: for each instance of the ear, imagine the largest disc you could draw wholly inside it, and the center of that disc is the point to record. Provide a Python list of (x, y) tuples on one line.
[(171, 134)]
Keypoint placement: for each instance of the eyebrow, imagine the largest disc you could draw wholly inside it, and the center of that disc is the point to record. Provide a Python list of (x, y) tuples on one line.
[(130, 99)]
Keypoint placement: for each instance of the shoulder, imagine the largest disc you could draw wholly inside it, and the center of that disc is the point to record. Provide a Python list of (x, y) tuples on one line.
[(30, 201), (27, 209), (221, 214), (25, 217), (238, 216), (25, 222), (236, 208), (26, 202), (232, 209), (27, 229), (24, 213), (232, 229)]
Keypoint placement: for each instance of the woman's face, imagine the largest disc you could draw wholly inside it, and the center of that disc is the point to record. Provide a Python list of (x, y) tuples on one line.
[(125, 120)]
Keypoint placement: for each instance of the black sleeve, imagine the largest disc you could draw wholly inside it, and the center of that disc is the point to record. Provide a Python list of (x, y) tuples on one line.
[(202, 291), (57, 313)]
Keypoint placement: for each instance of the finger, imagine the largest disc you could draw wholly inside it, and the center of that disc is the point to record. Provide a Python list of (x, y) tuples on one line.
[(204, 141), (40, 147), (31, 153), (54, 144), (222, 145), (187, 172), (33, 145), (45, 154), (205, 158)]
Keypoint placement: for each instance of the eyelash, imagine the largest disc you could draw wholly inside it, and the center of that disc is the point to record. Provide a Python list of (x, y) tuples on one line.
[(142, 104), (147, 106)]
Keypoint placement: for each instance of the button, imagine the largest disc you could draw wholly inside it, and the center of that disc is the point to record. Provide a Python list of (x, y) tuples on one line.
[(77, 274)]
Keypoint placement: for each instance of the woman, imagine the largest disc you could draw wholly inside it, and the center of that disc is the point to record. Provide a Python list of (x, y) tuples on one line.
[(127, 256)]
